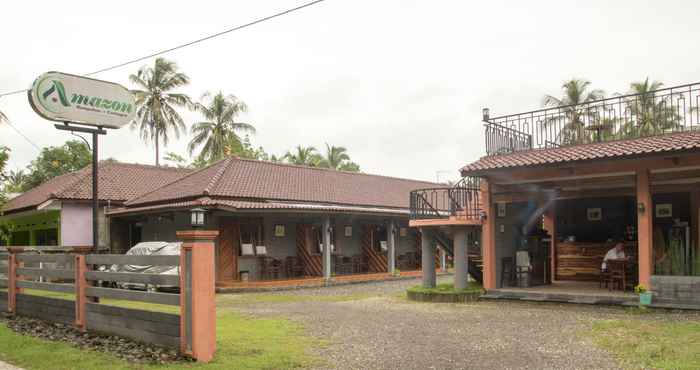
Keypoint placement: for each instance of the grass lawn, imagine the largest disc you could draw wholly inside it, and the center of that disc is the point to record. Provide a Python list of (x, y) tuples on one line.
[(639, 343), (447, 288), (242, 343)]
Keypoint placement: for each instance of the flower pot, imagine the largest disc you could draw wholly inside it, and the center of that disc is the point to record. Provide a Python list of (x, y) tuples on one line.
[(645, 299)]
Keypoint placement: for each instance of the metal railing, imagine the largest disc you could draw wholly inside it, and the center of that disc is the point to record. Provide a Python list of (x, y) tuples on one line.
[(437, 203), (658, 112)]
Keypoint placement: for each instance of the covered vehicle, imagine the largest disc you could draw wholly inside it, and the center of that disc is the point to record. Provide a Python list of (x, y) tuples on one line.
[(150, 249)]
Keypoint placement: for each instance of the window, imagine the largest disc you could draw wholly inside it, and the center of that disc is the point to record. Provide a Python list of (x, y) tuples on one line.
[(379, 239), (252, 236), (46, 237)]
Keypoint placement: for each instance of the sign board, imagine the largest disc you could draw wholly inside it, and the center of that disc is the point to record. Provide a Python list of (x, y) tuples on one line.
[(68, 98)]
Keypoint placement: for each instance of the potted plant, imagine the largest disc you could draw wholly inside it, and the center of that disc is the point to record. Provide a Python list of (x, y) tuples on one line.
[(644, 295)]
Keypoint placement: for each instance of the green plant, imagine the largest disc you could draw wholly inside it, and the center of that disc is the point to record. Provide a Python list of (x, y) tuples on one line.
[(640, 289)]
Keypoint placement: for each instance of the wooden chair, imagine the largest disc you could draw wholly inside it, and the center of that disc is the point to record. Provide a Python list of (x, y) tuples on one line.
[(294, 266), (617, 270), (270, 268), (360, 263)]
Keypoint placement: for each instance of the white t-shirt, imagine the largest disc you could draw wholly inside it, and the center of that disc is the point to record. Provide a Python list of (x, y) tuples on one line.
[(612, 254)]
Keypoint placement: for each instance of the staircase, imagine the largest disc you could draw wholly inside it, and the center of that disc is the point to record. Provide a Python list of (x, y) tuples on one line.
[(474, 260)]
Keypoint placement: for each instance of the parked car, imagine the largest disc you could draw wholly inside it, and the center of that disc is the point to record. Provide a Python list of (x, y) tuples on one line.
[(150, 249)]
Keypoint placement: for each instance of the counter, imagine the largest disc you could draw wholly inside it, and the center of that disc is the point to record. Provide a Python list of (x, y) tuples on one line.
[(581, 261)]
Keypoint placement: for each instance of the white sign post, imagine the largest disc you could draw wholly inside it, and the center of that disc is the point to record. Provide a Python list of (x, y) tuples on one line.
[(75, 100)]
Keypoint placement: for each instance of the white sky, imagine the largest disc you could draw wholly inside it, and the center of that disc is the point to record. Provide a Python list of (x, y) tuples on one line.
[(400, 83)]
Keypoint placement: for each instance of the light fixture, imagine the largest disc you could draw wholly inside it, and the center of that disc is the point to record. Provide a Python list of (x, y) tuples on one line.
[(197, 217), (482, 215), (640, 207), (485, 114)]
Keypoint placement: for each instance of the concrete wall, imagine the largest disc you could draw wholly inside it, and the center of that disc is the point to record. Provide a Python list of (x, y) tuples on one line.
[(508, 233), (676, 288)]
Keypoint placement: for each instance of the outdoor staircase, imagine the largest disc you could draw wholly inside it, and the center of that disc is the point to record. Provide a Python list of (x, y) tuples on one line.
[(474, 259)]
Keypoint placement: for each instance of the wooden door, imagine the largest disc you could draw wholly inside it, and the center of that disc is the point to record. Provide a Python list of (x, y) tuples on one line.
[(377, 260), (313, 262), (228, 250)]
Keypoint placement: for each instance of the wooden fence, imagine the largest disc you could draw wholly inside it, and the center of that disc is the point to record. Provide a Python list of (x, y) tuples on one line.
[(78, 275)]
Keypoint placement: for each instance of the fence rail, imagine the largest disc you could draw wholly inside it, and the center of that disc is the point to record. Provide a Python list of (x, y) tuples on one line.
[(462, 199), (79, 275), (663, 111)]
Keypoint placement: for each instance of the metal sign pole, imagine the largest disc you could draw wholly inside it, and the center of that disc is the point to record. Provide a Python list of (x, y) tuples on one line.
[(95, 174)]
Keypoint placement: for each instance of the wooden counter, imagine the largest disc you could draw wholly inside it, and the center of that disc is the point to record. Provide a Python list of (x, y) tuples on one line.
[(581, 261)]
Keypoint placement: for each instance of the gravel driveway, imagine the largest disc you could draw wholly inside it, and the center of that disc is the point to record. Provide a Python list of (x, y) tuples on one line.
[(380, 330)]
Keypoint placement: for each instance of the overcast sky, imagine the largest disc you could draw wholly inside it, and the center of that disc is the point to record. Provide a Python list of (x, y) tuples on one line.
[(399, 83)]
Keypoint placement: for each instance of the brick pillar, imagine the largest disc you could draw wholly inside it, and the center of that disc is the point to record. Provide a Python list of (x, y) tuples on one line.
[(428, 258), (488, 236), (644, 228), (197, 294), (80, 285)]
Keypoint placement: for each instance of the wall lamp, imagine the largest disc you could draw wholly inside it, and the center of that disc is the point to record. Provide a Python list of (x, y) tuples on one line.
[(640, 207), (485, 114)]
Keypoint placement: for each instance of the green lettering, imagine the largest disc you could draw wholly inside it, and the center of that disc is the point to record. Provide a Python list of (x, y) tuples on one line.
[(106, 103), (79, 99), (95, 102)]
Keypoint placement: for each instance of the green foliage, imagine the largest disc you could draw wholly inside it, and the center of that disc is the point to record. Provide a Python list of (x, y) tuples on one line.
[(303, 156), (217, 135), (639, 289), (156, 115), (15, 181), (55, 161), (4, 156), (650, 344), (447, 288), (242, 343), (336, 158), (576, 91)]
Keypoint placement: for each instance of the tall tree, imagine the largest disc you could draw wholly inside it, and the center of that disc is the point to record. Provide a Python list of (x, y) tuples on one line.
[(16, 181), (4, 156), (156, 101), (575, 92), (650, 114), (218, 133), (334, 157), (304, 156), (57, 160)]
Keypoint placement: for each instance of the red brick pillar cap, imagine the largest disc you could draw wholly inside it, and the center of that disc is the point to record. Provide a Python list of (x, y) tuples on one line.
[(195, 235), (15, 249)]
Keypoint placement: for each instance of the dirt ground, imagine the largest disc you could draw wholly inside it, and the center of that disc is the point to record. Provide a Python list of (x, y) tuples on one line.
[(377, 328)]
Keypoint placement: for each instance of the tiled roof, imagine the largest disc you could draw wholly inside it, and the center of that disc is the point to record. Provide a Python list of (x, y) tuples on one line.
[(245, 179), (118, 182), (228, 204), (676, 142)]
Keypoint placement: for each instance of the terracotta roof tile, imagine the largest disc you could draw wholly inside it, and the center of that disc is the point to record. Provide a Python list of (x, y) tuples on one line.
[(611, 149), (118, 182), (271, 181)]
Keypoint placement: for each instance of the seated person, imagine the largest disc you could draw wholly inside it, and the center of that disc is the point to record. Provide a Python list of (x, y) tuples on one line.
[(616, 253)]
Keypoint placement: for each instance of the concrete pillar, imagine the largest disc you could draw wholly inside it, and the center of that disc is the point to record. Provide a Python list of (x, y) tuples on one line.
[(428, 258), (391, 247), (197, 294), (550, 224), (327, 253), (460, 257), (644, 227), (488, 236)]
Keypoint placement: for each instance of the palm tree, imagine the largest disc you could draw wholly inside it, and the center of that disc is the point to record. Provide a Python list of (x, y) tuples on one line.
[(156, 103), (304, 156), (16, 181), (335, 157), (650, 114), (218, 132), (3, 117), (575, 93)]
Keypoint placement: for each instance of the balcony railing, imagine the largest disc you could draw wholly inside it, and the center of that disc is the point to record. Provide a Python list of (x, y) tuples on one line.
[(658, 112), (460, 200)]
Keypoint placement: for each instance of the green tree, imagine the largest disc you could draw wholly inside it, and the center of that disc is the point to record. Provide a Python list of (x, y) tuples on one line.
[(16, 181), (649, 114), (57, 160), (218, 133), (156, 115), (4, 157), (304, 156), (349, 167), (337, 158), (575, 92)]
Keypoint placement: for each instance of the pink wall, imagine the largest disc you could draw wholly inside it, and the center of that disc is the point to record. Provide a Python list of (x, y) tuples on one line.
[(76, 224)]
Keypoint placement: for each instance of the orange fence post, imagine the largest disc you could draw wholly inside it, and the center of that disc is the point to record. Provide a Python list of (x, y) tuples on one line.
[(197, 294), (12, 277), (79, 286)]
